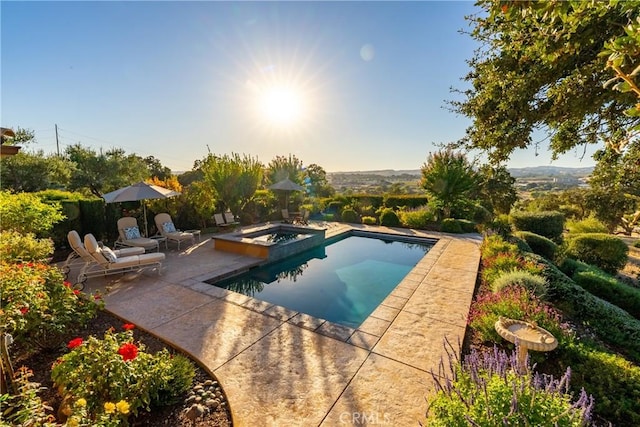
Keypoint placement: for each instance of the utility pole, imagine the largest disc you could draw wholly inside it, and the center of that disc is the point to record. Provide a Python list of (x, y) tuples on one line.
[(57, 143)]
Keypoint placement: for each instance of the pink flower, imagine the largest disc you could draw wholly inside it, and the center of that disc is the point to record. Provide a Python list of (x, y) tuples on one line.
[(74, 343), (128, 351)]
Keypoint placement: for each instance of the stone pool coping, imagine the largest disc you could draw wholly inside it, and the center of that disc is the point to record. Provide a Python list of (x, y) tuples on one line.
[(279, 367)]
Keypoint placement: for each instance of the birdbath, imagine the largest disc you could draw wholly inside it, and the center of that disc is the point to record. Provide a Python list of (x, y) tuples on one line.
[(528, 337)]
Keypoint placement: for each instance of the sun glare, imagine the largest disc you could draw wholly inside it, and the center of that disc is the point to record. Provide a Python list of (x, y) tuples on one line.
[(280, 105)]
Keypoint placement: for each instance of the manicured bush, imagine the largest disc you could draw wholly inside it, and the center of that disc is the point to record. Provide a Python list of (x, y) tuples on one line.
[(608, 322), (388, 218), (539, 244), (334, 207), (368, 220), (114, 377), (612, 380), (488, 389), (587, 225), (17, 247), (549, 224), (38, 306), (605, 251), (467, 226), (349, 215), (92, 217), (373, 200), (515, 303), (533, 283), (609, 289), (522, 245), (421, 218), (450, 225)]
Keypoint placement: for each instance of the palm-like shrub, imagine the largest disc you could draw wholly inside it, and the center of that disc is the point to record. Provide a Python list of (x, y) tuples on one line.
[(449, 179)]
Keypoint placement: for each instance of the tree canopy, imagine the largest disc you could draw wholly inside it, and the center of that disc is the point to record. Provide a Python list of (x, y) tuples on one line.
[(565, 68)]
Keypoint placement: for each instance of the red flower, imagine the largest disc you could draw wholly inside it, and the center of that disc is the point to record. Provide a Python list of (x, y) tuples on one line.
[(97, 297), (24, 310), (76, 292), (30, 264), (67, 284), (128, 351), (74, 343), (128, 326)]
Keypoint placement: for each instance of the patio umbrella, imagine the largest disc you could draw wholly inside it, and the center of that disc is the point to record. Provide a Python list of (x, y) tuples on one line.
[(287, 186), (140, 191)]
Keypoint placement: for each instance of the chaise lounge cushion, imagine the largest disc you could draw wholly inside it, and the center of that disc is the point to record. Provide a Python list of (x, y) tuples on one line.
[(128, 261), (168, 227), (132, 233)]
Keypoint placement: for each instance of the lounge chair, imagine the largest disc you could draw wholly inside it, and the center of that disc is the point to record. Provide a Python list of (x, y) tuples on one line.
[(106, 262), (129, 235), (304, 219), (230, 219), (285, 217), (80, 255), (220, 222), (165, 227)]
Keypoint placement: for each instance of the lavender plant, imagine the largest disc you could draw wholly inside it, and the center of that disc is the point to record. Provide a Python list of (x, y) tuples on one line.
[(487, 389)]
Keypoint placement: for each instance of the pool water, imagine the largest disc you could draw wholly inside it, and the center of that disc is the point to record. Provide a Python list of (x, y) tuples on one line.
[(342, 282)]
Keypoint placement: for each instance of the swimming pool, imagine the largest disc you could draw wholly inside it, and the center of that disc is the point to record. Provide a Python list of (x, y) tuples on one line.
[(342, 281)]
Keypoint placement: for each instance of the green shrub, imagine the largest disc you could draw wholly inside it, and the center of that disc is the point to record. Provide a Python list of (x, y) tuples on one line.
[(500, 225), (450, 225), (372, 201), (349, 215), (38, 306), (92, 217), (493, 267), (587, 225), (549, 224), (609, 289), (334, 207), (514, 303), (533, 283), (495, 244), (407, 200), (612, 380), (26, 213), (25, 408), (16, 247), (388, 218), (369, 220), (116, 372), (608, 322), (606, 252), (636, 244), (522, 245), (539, 244), (420, 218), (489, 389)]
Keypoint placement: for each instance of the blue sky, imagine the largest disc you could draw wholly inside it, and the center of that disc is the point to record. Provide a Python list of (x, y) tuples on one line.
[(366, 83)]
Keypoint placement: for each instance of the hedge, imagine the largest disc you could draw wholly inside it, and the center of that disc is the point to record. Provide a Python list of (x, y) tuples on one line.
[(549, 224), (539, 244), (606, 252), (407, 200)]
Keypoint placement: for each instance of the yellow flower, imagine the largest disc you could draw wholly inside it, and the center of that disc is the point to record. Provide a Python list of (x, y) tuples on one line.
[(81, 402), (109, 407), (123, 407), (72, 422)]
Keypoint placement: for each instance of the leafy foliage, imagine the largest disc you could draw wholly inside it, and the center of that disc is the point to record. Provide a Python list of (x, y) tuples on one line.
[(586, 225), (539, 244), (549, 224), (349, 215), (534, 284), (419, 218), (449, 179), (388, 218), (34, 171), (17, 247), (497, 188), (607, 252), (26, 213)]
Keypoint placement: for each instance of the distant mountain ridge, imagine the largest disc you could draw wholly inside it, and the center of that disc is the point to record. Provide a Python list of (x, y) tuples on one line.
[(515, 172)]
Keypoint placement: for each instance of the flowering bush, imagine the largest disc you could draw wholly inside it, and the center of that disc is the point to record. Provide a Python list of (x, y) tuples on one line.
[(494, 266), (103, 380), (488, 390), (37, 305), (516, 303), (17, 247)]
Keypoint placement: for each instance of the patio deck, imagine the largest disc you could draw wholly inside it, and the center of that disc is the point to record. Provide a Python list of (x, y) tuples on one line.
[(279, 367)]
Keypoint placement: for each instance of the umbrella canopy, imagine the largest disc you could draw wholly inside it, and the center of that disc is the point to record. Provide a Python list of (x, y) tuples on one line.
[(139, 192), (286, 185)]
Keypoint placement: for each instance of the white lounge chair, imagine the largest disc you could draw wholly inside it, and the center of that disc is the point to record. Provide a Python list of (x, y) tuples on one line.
[(129, 235), (219, 219), (230, 219), (168, 230), (106, 262)]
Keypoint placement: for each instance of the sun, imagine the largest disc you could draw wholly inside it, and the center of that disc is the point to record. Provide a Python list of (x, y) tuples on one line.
[(281, 105)]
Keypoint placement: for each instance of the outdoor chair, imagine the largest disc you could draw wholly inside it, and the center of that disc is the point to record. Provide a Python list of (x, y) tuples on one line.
[(106, 262), (220, 222), (285, 217), (168, 230), (304, 218), (230, 219), (129, 235), (80, 255)]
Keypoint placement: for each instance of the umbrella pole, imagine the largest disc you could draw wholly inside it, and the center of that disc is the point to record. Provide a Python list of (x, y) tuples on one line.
[(144, 213)]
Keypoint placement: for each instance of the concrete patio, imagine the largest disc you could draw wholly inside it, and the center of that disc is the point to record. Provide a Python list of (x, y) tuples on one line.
[(279, 367)]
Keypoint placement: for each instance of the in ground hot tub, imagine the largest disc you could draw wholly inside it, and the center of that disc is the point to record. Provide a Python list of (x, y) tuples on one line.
[(271, 242)]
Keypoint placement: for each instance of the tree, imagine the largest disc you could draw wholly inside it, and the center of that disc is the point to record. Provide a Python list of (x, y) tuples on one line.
[(282, 167), (33, 171), (156, 169), (543, 66), (317, 180), (232, 179), (104, 172), (450, 181), (497, 188)]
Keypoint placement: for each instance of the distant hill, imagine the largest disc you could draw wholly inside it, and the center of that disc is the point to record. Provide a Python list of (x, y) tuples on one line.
[(515, 172)]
